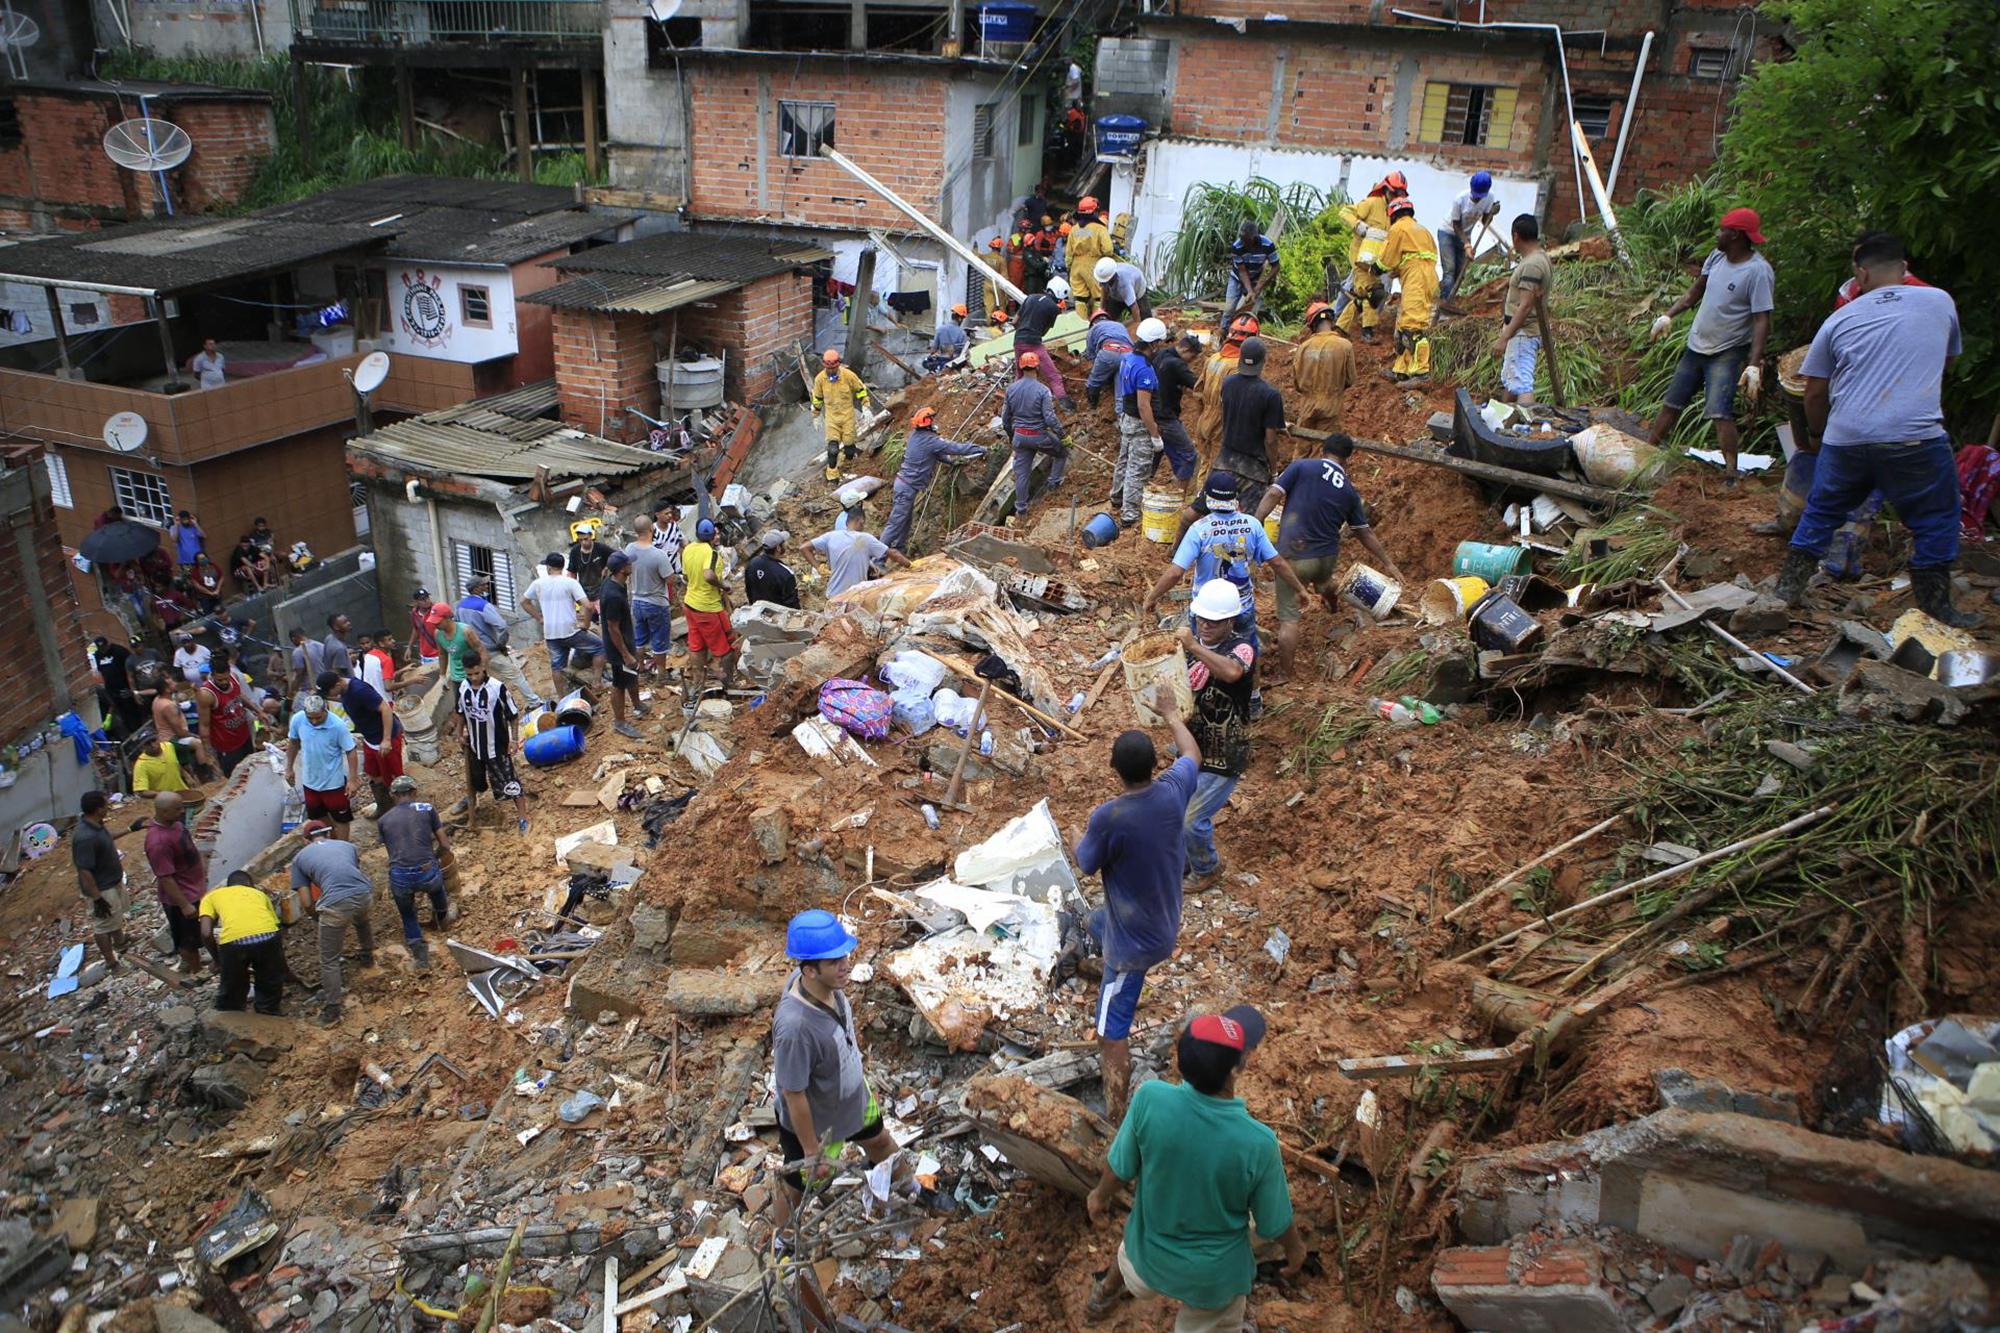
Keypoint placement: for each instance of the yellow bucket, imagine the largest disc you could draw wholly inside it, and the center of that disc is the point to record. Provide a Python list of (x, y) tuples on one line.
[(1271, 525), (1159, 515), (1369, 253), (1447, 600)]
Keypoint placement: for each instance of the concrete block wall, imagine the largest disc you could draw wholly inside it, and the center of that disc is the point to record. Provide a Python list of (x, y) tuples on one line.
[(201, 27), (1131, 78), (605, 364)]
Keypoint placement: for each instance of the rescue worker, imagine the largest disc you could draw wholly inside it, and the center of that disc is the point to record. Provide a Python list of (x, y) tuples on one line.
[(1139, 442), (1363, 294), (1032, 322), (1104, 346), (996, 300), (1090, 242), (838, 393), (1036, 247), (1253, 262), (948, 343), (1124, 287), (1322, 369), (1030, 425), (1208, 394), (1410, 254), (922, 453), (1017, 258)]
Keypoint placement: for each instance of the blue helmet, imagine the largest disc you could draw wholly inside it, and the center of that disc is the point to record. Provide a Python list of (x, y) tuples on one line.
[(1482, 182), (816, 935)]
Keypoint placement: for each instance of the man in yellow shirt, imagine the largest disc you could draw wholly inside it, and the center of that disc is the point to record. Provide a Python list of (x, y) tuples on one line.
[(1411, 254), (1364, 292), (838, 393), (1322, 370), (157, 768), (240, 920), (1090, 242), (706, 605)]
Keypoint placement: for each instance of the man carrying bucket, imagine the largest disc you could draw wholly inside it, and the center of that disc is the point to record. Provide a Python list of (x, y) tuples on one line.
[(1319, 500)]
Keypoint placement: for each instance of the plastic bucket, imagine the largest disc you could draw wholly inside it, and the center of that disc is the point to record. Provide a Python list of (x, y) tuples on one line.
[(1369, 253), (1119, 135), (1485, 561), (538, 720), (574, 710), (553, 746), (1371, 590), (1157, 659), (1101, 530), (1448, 600), (1610, 457), (1272, 524), (1160, 515), (1500, 624)]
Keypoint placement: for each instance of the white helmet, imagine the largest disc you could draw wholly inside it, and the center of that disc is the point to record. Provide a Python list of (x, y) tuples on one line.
[(1059, 288), (1218, 600), (1152, 330), (1105, 268)]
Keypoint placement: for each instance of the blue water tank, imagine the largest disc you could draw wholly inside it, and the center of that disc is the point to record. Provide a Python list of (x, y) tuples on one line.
[(1119, 136), (1007, 22), (553, 746)]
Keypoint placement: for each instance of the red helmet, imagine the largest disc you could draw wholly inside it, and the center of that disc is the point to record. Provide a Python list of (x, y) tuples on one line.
[(1243, 326), (1315, 310), (1028, 361), (923, 416), (1400, 203), (1087, 204), (996, 244), (1393, 184)]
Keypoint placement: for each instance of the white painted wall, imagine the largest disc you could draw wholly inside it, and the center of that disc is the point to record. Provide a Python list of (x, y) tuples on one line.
[(433, 325), (33, 302), (1174, 166)]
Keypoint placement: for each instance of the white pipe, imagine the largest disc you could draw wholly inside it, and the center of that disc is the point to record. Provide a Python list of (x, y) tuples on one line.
[(257, 24), (1631, 105), (916, 215), (1582, 142), (1562, 62)]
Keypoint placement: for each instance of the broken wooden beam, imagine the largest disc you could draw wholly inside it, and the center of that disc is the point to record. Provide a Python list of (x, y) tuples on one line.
[(1419, 452), (1366, 1068)]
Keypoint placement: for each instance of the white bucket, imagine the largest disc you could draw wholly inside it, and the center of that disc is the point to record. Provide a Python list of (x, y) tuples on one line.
[(1371, 590), (1157, 659), (1610, 457)]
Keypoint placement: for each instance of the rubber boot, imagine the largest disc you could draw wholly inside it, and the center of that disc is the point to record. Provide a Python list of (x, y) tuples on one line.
[(1796, 573), (384, 798), (1932, 589)]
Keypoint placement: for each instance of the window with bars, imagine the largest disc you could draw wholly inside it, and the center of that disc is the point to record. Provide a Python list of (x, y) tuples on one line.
[(982, 131), (1594, 114), (475, 307), (143, 497), (804, 127), (1467, 113), (474, 561), (59, 491)]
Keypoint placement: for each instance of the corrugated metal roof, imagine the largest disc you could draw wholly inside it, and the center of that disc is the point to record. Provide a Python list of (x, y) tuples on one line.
[(629, 293), (182, 254), (489, 438), (446, 219), (736, 259)]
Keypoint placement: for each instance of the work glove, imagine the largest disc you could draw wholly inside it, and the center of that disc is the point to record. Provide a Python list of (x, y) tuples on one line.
[(1751, 381), (1159, 445), (1661, 327)]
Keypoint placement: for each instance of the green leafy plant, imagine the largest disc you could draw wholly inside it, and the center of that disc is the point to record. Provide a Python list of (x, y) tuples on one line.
[(1196, 262)]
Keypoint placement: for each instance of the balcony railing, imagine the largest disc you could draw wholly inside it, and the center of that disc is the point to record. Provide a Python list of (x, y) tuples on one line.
[(429, 22)]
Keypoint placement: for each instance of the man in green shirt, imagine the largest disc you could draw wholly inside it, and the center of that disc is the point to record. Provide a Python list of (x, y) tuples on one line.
[(456, 642), (1204, 1169)]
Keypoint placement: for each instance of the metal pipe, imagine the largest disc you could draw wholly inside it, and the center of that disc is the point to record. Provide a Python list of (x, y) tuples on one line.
[(911, 211), (73, 284), (1631, 105), (1562, 62)]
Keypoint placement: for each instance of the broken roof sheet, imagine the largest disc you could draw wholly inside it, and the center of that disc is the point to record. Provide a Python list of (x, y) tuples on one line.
[(629, 293), (444, 219), (501, 438), (179, 254), (734, 259)]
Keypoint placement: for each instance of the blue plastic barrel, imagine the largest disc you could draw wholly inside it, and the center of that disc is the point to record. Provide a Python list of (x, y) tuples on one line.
[(1119, 136), (1101, 529), (553, 746), (1007, 22)]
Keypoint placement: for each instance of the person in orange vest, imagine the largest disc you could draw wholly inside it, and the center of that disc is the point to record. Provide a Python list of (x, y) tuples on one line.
[(1017, 261), (1410, 253)]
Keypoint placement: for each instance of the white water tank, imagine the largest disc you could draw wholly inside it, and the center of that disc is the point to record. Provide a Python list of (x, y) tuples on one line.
[(696, 383)]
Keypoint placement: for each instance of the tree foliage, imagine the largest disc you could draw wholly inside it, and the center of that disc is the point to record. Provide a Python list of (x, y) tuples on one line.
[(1887, 116)]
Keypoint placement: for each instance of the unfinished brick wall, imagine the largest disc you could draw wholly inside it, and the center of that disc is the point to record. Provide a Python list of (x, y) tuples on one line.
[(755, 324), (30, 701), (604, 365), (232, 141), (885, 119)]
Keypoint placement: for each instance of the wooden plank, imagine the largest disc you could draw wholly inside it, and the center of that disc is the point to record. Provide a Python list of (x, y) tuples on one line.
[(1368, 1067)]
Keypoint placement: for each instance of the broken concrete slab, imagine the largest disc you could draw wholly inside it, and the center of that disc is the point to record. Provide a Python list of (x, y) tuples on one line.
[(76, 1222), (229, 1086), (1693, 1181), (1557, 1288), (262, 1037), (771, 830), (1762, 615), (1056, 1139), (1683, 1091), (1883, 691), (713, 941), (715, 994)]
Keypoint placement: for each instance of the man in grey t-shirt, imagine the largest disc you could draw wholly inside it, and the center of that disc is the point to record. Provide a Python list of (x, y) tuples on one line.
[(849, 553), (822, 1093), (1725, 346), (345, 893), (651, 590)]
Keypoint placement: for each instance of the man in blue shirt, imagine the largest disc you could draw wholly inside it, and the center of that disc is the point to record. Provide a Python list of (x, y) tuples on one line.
[(1139, 440), (478, 614), (1104, 346), (922, 453), (1319, 500), (1874, 378), (330, 763), (948, 343), (1223, 544), (1133, 841), (1253, 263)]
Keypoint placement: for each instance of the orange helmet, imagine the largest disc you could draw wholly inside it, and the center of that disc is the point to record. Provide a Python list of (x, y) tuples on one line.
[(831, 356), (1393, 184), (1087, 204), (1315, 310), (1400, 203), (996, 244), (1243, 326), (923, 416), (959, 310), (1028, 361)]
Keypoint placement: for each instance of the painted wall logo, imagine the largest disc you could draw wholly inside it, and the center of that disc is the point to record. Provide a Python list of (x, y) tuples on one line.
[(424, 316)]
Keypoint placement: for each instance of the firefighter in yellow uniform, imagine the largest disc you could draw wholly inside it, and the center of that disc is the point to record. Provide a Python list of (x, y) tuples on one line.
[(1410, 254), (1090, 242), (1207, 423), (838, 393), (1363, 295), (996, 300), (1322, 370)]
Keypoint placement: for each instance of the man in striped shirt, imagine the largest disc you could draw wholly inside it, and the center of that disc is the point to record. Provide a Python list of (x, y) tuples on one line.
[(484, 714)]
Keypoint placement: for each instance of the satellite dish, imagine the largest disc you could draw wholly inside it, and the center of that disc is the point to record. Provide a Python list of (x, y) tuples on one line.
[(662, 10), (17, 31), (146, 144), (125, 431), (368, 376)]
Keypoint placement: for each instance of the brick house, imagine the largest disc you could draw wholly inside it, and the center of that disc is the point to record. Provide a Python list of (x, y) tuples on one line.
[(622, 311), (54, 174), (1336, 92), (43, 637)]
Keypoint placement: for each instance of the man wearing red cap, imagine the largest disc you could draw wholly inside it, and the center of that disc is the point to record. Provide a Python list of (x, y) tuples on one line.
[(1725, 346), (1205, 1169)]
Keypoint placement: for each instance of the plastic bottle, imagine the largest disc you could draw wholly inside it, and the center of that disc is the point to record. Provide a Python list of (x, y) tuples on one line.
[(986, 743), (1426, 713), (1075, 703), (1392, 712)]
